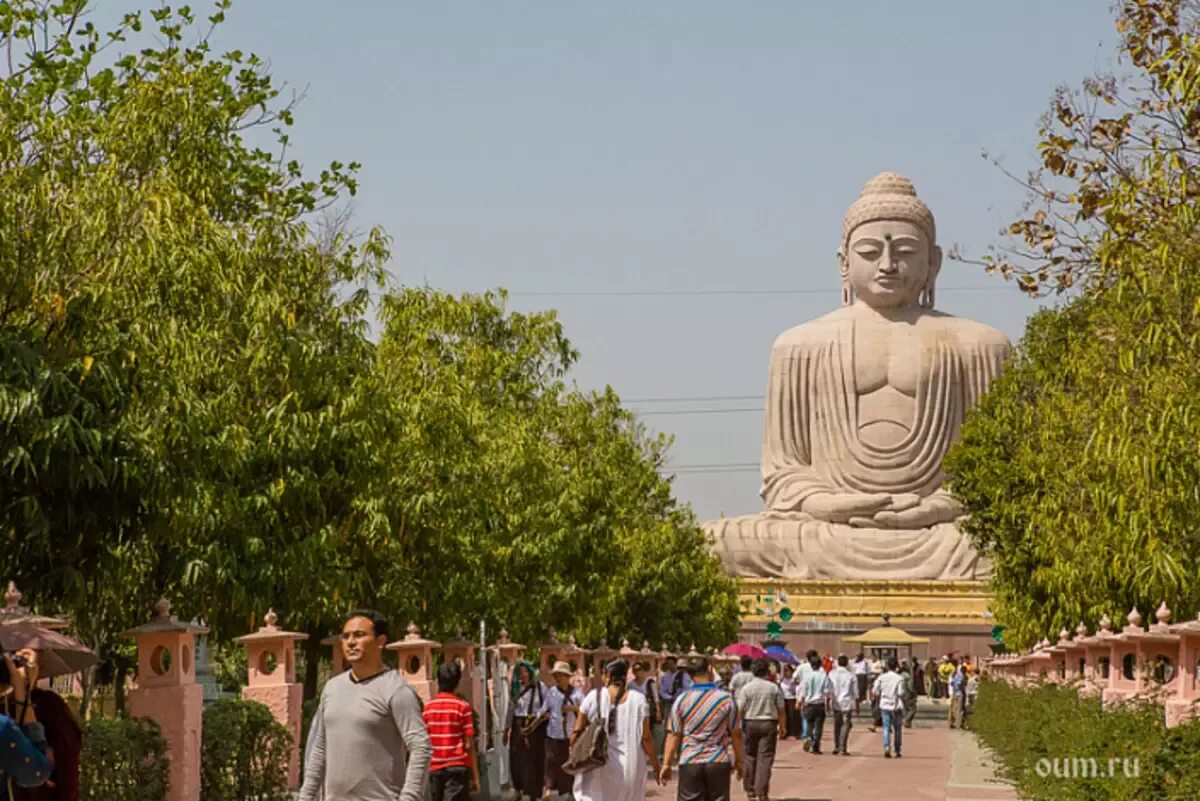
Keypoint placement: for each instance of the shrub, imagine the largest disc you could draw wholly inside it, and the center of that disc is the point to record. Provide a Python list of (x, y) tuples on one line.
[(1056, 746), (123, 760), (244, 754)]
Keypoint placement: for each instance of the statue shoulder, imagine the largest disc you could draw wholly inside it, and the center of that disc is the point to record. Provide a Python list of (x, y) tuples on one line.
[(815, 332), (971, 332)]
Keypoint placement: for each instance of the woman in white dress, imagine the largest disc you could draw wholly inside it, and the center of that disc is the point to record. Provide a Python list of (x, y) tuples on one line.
[(630, 742)]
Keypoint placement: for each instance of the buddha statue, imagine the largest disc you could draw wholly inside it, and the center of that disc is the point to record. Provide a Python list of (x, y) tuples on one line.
[(862, 406)]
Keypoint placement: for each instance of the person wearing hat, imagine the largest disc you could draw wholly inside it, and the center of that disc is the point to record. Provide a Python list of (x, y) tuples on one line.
[(560, 705)]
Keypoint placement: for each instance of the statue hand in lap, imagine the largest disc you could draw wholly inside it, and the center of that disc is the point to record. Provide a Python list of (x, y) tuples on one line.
[(937, 508), (846, 507)]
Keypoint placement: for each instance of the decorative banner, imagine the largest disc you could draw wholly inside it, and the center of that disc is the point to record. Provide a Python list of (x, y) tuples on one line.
[(785, 614), (998, 633), (774, 629)]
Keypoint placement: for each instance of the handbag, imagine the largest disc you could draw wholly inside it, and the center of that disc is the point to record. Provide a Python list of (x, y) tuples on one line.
[(590, 749)]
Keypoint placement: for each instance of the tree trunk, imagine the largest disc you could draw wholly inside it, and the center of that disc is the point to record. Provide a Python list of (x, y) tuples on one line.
[(88, 680), (119, 674), (312, 665)]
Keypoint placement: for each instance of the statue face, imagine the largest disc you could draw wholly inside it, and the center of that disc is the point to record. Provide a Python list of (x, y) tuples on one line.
[(889, 262)]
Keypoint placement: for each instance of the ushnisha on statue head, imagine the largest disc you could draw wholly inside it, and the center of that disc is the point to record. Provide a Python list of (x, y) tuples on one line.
[(889, 258)]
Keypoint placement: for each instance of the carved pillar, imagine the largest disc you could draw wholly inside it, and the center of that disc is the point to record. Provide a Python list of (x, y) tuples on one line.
[(271, 664), (461, 650), (415, 660), (168, 694)]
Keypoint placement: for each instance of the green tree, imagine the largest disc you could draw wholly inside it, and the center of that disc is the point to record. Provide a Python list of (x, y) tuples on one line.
[(1080, 467), (182, 344)]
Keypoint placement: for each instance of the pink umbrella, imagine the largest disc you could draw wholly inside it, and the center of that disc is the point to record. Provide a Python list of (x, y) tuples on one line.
[(745, 649)]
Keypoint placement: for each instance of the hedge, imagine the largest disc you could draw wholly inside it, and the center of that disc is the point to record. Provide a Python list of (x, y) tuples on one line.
[(1057, 746), (244, 754), (123, 760)]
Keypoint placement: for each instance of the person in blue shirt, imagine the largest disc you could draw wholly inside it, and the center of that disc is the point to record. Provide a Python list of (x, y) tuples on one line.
[(23, 759)]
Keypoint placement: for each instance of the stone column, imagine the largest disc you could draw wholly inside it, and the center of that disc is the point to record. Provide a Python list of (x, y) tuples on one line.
[(415, 659), (1122, 651), (461, 650), (271, 663), (1183, 706), (549, 652), (601, 657), (168, 694), (339, 658)]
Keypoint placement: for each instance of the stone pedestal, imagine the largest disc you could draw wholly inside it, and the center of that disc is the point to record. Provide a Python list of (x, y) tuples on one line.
[(168, 694), (414, 656), (271, 663)]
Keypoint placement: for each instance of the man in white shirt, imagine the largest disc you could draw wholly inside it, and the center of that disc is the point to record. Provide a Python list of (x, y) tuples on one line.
[(816, 693), (844, 687), (801, 676), (861, 668), (889, 690)]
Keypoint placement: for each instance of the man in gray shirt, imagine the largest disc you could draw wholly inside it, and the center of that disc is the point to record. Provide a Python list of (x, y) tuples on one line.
[(765, 720), (368, 717)]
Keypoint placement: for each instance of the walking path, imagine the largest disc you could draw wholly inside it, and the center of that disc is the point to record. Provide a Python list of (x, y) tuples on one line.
[(939, 764)]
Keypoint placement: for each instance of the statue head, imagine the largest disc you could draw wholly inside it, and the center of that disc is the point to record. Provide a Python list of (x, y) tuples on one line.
[(889, 256)]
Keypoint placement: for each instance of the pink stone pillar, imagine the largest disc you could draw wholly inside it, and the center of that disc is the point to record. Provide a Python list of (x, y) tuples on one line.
[(339, 657), (1122, 653), (549, 652), (508, 654), (461, 650), (1183, 706), (415, 660), (650, 657), (271, 662), (168, 694), (601, 657)]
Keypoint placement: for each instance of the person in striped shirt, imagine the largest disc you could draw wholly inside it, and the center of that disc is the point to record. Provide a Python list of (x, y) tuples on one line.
[(451, 726), (705, 731)]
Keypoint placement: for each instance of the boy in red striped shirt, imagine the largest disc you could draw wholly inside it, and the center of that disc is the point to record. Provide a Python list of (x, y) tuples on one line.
[(452, 733)]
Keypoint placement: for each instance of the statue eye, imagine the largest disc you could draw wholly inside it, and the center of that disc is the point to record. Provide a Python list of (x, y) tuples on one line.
[(906, 251), (868, 252)]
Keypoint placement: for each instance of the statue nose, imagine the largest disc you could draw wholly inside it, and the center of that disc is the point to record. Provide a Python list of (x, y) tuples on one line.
[(887, 264)]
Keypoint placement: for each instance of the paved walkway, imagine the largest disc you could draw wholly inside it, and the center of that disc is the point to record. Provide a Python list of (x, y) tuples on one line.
[(939, 764)]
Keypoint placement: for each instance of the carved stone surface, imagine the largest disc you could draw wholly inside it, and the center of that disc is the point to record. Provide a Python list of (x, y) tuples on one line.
[(862, 406)]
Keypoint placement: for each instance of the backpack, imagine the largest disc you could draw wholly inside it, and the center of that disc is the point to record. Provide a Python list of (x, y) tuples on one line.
[(590, 749)]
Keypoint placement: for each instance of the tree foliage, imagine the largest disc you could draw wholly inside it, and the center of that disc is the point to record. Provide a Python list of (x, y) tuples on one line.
[(1080, 468), (190, 403)]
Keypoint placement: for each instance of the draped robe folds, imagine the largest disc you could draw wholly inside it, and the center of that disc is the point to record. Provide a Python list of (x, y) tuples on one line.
[(811, 445)]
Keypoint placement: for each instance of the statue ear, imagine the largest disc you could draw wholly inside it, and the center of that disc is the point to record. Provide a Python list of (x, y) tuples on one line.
[(935, 264), (843, 263)]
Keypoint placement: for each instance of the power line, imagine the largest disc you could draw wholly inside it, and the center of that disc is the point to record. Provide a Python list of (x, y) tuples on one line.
[(695, 399), (732, 467), (699, 411)]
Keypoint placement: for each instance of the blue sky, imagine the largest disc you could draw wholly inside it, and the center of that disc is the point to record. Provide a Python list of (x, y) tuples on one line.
[(574, 148)]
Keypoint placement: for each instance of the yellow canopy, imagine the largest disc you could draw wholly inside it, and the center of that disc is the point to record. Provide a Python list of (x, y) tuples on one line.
[(886, 635)]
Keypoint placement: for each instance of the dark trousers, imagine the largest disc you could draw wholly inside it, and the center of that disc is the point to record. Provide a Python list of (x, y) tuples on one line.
[(910, 711), (815, 715), (527, 759), (842, 721), (793, 718), (761, 738), (450, 784), (708, 782)]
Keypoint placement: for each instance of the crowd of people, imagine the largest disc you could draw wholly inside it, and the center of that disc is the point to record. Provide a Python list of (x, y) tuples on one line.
[(373, 738)]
